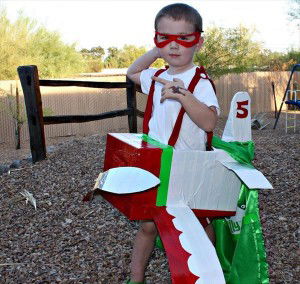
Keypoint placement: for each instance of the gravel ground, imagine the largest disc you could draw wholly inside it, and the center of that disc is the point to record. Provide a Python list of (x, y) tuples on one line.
[(69, 241)]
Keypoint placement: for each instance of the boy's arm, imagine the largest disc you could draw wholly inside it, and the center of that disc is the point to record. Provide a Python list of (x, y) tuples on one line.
[(203, 116), (142, 63)]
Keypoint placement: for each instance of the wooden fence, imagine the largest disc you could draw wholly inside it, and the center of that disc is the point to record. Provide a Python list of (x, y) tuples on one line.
[(70, 100), (31, 83)]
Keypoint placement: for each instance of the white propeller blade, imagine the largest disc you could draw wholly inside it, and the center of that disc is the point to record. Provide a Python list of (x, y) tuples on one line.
[(123, 180)]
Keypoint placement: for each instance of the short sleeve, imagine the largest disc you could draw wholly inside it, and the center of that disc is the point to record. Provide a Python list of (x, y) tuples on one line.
[(146, 80), (205, 93)]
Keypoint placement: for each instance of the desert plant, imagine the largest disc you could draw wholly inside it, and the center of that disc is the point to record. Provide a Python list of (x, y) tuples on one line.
[(16, 111)]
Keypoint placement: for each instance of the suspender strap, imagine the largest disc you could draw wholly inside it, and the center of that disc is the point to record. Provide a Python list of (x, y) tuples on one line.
[(210, 134), (209, 138), (175, 134), (149, 105)]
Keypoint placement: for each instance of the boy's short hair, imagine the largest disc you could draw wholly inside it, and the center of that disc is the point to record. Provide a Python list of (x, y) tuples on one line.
[(180, 11)]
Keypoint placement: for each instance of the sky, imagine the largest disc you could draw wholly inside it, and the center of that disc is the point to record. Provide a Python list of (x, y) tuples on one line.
[(116, 23)]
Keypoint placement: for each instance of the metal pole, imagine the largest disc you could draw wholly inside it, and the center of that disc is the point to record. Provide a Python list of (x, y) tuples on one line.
[(286, 91)]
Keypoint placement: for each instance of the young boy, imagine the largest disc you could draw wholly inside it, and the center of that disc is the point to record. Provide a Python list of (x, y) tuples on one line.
[(178, 36)]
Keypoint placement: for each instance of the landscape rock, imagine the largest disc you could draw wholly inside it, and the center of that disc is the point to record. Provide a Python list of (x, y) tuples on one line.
[(15, 164), (4, 169), (29, 159), (50, 149)]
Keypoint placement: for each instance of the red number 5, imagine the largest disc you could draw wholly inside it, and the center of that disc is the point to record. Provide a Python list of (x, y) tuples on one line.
[(243, 109)]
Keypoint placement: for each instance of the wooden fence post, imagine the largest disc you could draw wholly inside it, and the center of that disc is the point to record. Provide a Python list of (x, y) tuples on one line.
[(31, 88), (131, 104)]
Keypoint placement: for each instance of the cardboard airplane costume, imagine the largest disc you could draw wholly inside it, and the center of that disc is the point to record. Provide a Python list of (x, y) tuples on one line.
[(145, 179)]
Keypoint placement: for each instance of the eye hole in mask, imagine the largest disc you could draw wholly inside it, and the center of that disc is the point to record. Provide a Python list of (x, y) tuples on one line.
[(186, 40)]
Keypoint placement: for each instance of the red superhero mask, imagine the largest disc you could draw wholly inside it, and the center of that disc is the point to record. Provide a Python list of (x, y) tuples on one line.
[(188, 40)]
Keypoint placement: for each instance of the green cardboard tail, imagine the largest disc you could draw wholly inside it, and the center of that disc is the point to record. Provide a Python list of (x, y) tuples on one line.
[(239, 240)]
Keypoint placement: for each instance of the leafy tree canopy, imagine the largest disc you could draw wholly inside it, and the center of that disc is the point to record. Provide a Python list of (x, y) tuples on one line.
[(24, 42), (112, 60), (228, 50), (95, 52), (278, 61), (122, 58), (93, 58)]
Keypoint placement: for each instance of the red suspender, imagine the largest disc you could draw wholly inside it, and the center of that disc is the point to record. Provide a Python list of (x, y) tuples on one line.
[(148, 110), (209, 137), (174, 136), (175, 133)]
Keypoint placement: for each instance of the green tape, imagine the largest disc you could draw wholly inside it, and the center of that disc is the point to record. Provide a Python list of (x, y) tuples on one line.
[(164, 176), (154, 142), (165, 169)]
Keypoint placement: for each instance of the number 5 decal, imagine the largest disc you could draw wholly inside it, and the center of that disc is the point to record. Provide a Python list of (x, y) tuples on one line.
[(244, 111)]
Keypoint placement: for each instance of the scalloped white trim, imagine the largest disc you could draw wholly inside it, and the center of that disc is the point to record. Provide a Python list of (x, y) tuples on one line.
[(203, 261)]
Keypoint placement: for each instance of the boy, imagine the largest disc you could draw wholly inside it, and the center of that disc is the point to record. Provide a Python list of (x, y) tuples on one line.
[(175, 90)]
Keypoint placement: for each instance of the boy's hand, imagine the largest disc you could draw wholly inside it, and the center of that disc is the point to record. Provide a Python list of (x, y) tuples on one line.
[(172, 89)]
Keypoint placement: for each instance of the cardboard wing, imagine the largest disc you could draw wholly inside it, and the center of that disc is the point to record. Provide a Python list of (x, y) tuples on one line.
[(192, 235), (192, 257), (251, 177)]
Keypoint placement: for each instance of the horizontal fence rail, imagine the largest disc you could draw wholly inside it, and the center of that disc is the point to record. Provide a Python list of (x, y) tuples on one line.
[(84, 118), (31, 83), (89, 84)]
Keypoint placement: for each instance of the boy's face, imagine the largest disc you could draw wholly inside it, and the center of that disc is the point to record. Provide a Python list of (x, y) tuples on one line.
[(174, 53)]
